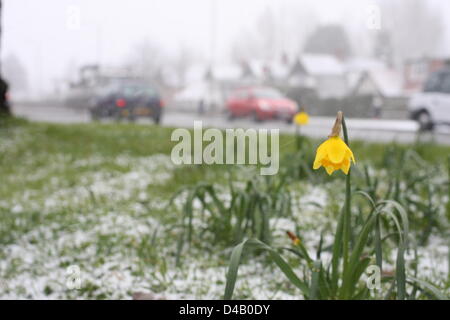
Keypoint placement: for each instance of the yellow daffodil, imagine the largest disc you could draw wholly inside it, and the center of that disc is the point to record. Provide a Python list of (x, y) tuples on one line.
[(334, 154), (301, 118)]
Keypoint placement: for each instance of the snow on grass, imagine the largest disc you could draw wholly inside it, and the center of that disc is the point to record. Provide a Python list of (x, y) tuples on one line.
[(105, 214)]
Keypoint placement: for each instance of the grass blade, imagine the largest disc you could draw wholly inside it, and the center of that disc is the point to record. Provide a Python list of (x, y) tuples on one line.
[(279, 261), (435, 292), (233, 269)]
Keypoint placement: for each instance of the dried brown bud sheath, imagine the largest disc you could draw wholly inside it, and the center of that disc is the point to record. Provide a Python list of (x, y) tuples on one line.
[(336, 131)]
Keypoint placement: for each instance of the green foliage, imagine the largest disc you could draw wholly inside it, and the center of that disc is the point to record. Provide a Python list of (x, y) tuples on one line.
[(359, 241), (228, 221)]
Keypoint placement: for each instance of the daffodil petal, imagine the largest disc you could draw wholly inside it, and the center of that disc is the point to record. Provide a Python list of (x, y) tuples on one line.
[(317, 165), (321, 153), (336, 150), (351, 155), (345, 166), (330, 169)]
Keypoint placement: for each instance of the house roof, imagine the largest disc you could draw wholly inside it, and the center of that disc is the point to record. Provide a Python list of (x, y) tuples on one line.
[(261, 69), (278, 69), (257, 68), (321, 64), (363, 64), (196, 73), (227, 72), (387, 82)]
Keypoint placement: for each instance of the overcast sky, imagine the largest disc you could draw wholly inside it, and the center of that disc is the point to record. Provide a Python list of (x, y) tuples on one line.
[(37, 32)]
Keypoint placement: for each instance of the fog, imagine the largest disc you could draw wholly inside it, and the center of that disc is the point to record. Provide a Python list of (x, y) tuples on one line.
[(40, 36)]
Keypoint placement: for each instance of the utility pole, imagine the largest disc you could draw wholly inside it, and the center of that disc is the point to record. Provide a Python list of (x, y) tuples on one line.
[(212, 53)]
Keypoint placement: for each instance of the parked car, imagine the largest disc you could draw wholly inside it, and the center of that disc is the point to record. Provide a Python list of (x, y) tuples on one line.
[(432, 105), (126, 100), (199, 97), (260, 103)]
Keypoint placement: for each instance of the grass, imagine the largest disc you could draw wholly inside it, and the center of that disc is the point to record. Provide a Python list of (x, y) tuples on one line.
[(99, 196)]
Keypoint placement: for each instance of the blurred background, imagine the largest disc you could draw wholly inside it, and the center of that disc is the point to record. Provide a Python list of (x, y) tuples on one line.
[(70, 61)]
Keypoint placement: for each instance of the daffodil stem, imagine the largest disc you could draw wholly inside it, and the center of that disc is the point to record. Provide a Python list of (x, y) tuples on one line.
[(298, 137), (347, 205)]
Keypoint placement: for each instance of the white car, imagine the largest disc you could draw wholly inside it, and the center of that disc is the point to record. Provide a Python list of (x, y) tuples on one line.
[(199, 96), (432, 105)]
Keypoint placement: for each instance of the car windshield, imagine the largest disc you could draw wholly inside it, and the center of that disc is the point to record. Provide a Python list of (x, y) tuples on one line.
[(434, 83), (267, 93), (142, 90), (131, 88)]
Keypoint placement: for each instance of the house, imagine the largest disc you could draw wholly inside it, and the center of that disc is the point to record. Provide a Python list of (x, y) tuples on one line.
[(278, 70), (265, 72), (226, 76), (321, 72), (255, 71), (196, 73), (376, 89), (373, 78), (385, 83), (416, 71), (206, 88)]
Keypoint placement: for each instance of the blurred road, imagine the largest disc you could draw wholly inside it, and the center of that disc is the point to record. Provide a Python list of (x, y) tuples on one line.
[(379, 130)]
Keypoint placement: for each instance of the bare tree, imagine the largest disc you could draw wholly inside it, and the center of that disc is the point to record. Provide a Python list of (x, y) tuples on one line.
[(245, 47), (180, 64), (415, 28), (146, 60), (329, 39), (15, 72), (275, 33), (382, 48)]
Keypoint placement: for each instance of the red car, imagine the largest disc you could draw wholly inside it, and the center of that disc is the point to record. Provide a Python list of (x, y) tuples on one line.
[(261, 103)]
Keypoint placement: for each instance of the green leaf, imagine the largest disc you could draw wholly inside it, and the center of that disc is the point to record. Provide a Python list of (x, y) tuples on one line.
[(314, 287), (233, 269), (348, 281), (337, 249), (400, 274), (279, 261), (435, 292)]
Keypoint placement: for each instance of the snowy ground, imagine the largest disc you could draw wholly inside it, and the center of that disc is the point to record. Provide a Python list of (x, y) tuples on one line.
[(106, 216)]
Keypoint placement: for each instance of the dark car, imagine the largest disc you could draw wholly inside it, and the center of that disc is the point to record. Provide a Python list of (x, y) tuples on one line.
[(126, 100), (261, 103)]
